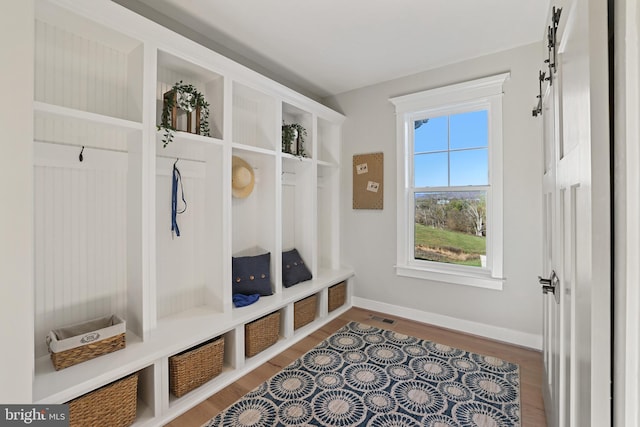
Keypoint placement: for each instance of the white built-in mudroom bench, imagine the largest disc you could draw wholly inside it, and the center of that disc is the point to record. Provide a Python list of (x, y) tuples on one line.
[(103, 203)]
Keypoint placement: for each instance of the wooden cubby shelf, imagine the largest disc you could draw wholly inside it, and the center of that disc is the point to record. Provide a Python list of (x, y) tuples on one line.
[(102, 225)]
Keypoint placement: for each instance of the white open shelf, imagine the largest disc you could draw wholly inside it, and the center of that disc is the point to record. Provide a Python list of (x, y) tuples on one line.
[(294, 115), (254, 118), (173, 69), (83, 65), (329, 137)]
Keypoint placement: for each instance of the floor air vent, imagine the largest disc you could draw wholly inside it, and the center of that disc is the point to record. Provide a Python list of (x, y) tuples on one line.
[(382, 319)]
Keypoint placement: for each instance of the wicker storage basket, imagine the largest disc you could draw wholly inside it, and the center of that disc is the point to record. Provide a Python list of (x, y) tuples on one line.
[(261, 333), (304, 311), (84, 341), (337, 295), (113, 405), (195, 366)]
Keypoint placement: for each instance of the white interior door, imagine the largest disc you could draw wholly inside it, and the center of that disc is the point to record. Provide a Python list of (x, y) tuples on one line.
[(577, 336)]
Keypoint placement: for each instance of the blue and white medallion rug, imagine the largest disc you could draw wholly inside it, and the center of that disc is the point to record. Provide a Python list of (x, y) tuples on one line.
[(366, 376)]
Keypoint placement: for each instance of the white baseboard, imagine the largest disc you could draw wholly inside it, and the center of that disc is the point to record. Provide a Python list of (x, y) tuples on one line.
[(511, 336)]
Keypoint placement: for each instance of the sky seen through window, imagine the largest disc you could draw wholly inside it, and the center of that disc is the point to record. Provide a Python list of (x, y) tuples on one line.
[(452, 150)]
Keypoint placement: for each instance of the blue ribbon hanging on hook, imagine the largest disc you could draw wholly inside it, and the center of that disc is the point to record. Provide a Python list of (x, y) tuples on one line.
[(176, 179)]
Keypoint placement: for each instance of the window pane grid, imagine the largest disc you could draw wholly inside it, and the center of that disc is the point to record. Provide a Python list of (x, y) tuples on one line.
[(471, 165)]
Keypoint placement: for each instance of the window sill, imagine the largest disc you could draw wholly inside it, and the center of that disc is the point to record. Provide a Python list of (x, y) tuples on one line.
[(482, 279)]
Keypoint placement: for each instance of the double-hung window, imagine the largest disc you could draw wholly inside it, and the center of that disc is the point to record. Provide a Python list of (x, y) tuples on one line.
[(450, 183)]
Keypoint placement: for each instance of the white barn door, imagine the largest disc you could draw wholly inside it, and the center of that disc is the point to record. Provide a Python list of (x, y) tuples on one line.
[(577, 256)]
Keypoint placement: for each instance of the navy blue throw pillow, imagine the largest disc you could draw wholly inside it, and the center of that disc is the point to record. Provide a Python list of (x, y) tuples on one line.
[(251, 275), (294, 270)]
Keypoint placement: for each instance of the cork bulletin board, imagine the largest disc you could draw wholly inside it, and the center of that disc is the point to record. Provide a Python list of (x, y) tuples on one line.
[(368, 188)]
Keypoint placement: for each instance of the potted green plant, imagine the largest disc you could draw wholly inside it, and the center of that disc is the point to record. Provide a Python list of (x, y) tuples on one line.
[(187, 98), (293, 136)]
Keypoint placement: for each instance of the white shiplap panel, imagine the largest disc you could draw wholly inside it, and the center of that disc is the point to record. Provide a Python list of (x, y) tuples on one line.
[(181, 261), (48, 53), (80, 238), (247, 221), (74, 72), (254, 118), (288, 216), (93, 82), (70, 131), (325, 235), (245, 120), (39, 58)]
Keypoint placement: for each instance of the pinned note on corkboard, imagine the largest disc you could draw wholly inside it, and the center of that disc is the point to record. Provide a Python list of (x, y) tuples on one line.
[(368, 174)]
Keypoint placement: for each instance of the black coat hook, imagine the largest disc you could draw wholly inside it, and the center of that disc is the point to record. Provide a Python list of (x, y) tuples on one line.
[(81, 157)]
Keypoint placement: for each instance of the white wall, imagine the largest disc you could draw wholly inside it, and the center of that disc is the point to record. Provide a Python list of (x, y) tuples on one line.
[(16, 230), (369, 236)]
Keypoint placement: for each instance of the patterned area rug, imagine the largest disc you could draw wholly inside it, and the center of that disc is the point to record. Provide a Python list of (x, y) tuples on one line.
[(366, 376)]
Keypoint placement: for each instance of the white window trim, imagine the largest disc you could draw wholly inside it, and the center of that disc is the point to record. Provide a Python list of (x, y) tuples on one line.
[(487, 93)]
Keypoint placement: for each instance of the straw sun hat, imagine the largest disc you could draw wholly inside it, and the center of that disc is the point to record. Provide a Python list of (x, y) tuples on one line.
[(242, 178)]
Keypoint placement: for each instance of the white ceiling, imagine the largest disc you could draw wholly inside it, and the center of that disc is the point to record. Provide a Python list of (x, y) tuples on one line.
[(332, 46)]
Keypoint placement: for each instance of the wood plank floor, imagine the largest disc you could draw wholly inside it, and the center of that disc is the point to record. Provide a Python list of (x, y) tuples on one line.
[(532, 410)]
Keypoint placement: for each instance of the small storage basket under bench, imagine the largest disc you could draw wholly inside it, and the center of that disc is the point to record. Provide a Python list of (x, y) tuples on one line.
[(304, 311), (84, 341), (113, 405), (337, 295), (261, 334), (193, 367)]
